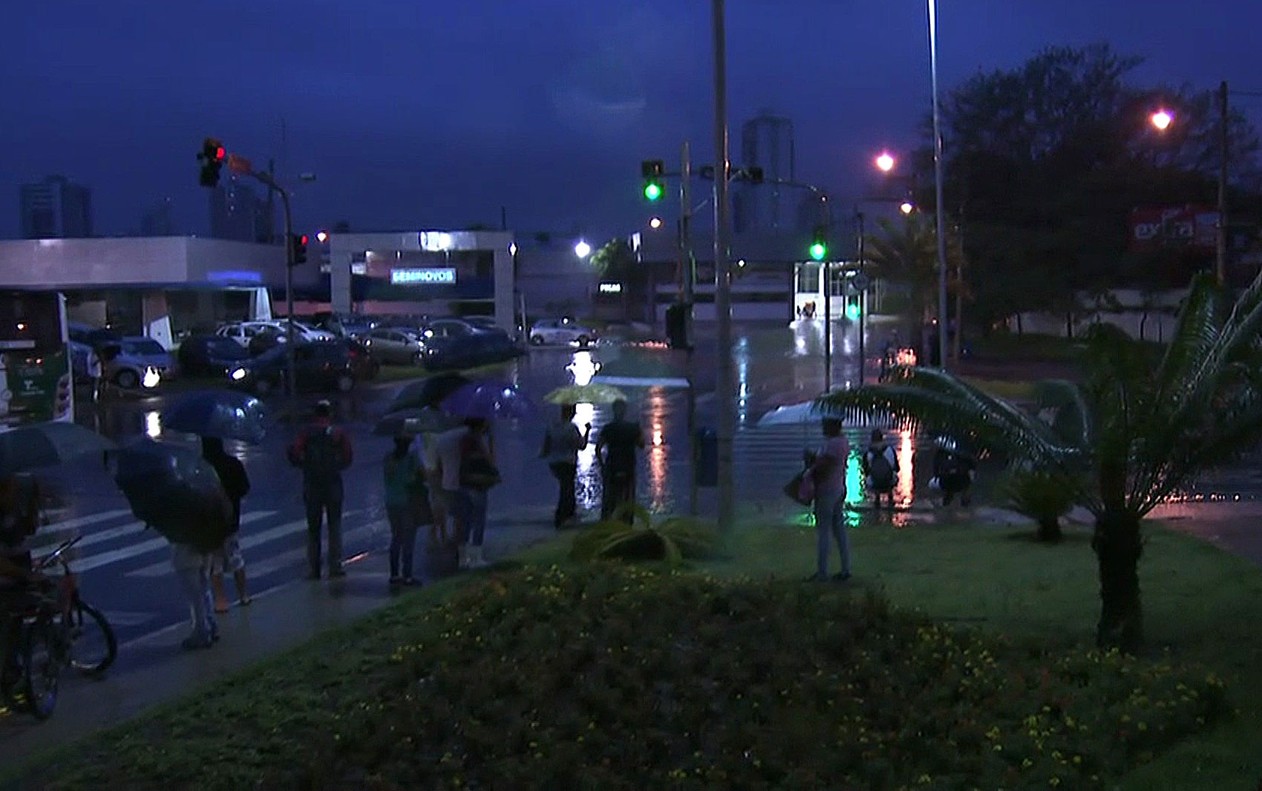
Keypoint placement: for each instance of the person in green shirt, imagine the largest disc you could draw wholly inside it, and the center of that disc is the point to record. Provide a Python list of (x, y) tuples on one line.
[(404, 483)]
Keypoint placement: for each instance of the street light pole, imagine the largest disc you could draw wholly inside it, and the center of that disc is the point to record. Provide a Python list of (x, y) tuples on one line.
[(725, 380), (1220, 259), (937, 187), (863, 298)]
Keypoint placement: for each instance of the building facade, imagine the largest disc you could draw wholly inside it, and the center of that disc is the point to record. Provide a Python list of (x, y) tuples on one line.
[(55, 208), (238, 213), (767, 142)]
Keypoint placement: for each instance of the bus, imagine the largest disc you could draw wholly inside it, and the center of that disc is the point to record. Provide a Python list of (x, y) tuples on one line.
[(35, 378)]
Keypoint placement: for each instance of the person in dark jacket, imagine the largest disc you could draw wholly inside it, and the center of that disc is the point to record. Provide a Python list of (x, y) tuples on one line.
[(322, 451), (236, 484), (954, 470)]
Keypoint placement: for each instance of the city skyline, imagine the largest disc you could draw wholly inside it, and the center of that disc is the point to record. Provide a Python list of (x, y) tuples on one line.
[(473, 116)]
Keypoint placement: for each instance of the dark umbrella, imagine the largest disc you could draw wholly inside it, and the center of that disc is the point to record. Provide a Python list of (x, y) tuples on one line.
[(413, 421), (428, 392), (47, 445), (175, 491), (217, 413), (488, 400)]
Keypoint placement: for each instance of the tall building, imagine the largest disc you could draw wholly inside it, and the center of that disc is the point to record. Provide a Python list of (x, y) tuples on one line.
[(56, 208), (767, 141), (236, 212), (157, 221)]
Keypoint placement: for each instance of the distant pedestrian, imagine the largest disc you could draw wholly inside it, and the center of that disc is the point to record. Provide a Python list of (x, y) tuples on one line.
[(192, 569), (880, 469), (236, 485), (954, 469), (322, 451), (478, 474), (561, 446), (447, 448), (404, 484), (615, 453), (827, 469)]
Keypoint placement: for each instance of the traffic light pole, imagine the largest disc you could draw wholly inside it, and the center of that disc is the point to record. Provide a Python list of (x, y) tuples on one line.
[(688, 274), (725, 384), (863, 297), (290, 378)]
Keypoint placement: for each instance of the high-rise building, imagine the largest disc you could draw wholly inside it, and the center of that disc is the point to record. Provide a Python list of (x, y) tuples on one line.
[(56, 208), (236, 212), (767, 141), (157, 221)]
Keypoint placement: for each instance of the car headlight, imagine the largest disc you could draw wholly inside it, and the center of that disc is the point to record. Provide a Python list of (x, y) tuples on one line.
[(237, 374), (151, 378)]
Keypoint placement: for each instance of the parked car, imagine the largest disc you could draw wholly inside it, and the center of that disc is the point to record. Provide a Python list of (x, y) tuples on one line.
[(92, 336), (135, 362), (242, 331), (563, 331), (317, 366), (453, 343), (210, 354), (395, 345), (266, 339), (85, 365), (351, 326)]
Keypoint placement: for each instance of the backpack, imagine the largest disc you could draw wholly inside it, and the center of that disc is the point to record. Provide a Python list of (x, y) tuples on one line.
[(322, 455), (880, 470)]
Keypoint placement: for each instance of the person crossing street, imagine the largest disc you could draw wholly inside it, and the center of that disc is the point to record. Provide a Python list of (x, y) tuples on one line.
[(322, 451)]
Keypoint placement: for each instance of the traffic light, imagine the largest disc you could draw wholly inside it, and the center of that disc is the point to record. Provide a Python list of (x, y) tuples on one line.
[(754, 174), (853, 307), (298, 248), (819, 244), (212, 157), (653, 170)]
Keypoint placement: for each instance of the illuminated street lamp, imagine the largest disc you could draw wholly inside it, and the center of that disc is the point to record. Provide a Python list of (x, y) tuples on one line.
[(322, 237), (907, 207), (885, 162), (582, 249), (1162, 119), (655, 223)]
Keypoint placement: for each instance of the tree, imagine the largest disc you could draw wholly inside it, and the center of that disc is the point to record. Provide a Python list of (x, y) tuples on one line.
[(1136, 430), (906, 252), (615, 260)]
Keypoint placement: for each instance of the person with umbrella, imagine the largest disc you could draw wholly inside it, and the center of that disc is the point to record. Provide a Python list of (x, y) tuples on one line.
[(561, 445), (236, 485), (322, 451), (619, 440)]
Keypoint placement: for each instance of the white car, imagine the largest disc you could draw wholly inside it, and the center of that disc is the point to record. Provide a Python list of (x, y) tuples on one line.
[(243, 331), (561, 331)]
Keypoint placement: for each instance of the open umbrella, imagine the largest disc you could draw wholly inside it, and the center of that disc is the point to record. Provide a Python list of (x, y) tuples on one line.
[(217, 413), (413, 421), (47, 445), (428, 392), (488, 400), (595, 393), (641, 371), (175, 491)]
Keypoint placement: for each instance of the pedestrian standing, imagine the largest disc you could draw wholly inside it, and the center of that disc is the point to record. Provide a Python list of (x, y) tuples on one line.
[(236, 485), (192, 569), (880, 468), (404, 483), (561, 446), (448, 448), (425, 450), (478, 474), (827, 469), (322, 451), (619, 440)]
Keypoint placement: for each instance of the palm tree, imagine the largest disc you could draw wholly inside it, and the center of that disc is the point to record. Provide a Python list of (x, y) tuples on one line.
[(1137, 429), (906, 252)]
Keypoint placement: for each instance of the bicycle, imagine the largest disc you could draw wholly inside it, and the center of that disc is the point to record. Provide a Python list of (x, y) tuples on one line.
[(58, 629)]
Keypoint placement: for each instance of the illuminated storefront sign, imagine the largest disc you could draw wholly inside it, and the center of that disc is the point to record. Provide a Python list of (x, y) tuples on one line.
[(444, 276), (611, 288)]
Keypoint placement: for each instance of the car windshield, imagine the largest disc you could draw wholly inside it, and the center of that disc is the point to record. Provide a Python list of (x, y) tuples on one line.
[(142, 346)]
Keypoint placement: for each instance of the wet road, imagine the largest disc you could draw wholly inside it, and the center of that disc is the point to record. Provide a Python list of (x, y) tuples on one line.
[(125, 569)]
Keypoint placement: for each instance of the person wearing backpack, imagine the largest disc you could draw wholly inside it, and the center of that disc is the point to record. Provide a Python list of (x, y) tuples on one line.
[(880, 465), (954, 471), (322, 451)]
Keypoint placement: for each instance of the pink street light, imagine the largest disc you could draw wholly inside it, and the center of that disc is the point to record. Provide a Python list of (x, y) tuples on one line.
[(1162, 119), (885, 162)]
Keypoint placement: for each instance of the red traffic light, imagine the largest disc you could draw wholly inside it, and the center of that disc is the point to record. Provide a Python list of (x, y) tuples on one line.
[(220, 153), (303, 239)]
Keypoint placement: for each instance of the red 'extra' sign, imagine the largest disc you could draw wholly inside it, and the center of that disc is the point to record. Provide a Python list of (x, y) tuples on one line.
[(1153, 227)]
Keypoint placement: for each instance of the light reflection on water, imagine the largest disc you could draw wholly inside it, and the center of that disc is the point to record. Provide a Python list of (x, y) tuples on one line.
[(658, 459)]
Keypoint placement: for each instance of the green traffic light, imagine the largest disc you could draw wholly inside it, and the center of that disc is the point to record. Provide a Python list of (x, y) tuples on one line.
[(818, 251), (852, 311), (652, 191)]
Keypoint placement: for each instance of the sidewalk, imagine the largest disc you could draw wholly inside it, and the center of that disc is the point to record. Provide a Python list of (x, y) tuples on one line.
[(278, 619)]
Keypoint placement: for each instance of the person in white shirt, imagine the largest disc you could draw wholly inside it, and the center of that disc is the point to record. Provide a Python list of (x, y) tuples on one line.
[(561, 445), (446, 450)]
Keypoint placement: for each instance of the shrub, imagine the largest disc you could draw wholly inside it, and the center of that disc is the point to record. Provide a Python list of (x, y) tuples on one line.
[(1042, 496), (621, 677), (632, 535)]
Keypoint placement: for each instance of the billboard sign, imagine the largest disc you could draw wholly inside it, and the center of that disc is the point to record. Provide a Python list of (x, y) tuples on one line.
[(1156, 227), (423, 276)]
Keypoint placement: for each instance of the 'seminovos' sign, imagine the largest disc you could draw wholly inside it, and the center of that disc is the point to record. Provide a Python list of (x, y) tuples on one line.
[(441, 276)]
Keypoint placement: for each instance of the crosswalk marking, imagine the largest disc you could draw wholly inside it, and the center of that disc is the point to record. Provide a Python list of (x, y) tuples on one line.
[(52, 534), (298, 556), (248, 542), (135, 550)]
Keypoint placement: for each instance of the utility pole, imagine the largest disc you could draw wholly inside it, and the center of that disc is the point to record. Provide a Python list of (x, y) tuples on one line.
[(937, 187), (1220, 259), (863, 296), (725, 380), (688, 278), (290, 378), (826, 269)]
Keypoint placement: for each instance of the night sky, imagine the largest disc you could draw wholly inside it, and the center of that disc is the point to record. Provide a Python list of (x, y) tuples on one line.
[(433, 114)]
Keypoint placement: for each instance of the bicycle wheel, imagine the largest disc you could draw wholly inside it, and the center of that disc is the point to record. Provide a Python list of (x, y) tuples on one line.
[(41, 668), (93, 646)]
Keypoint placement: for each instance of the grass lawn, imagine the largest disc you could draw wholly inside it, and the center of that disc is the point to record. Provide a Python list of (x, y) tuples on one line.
[(358, 684)]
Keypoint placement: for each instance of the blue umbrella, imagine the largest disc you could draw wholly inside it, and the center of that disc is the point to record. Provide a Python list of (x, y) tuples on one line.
[(175, 491), (47, 445), (217, 413), (428, 392), (488, 400)]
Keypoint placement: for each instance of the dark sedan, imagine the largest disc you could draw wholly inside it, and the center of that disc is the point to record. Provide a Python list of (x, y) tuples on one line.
[(452, 343), (210, 354), (322, 366)]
